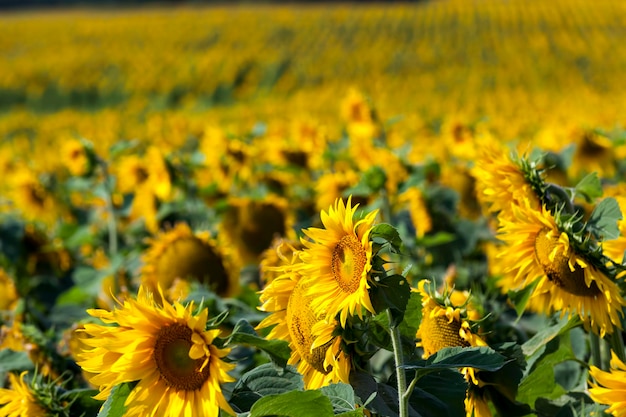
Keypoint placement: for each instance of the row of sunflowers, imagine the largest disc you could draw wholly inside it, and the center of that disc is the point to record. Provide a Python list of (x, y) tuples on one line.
[(244, 275), (188, 226)]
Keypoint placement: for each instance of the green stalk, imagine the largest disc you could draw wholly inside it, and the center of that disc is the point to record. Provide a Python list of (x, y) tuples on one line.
[(403, 403), (596, 356), (617, 345), (386, 206)]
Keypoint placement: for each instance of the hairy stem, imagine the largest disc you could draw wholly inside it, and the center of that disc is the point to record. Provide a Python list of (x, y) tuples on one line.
[(403, 408)]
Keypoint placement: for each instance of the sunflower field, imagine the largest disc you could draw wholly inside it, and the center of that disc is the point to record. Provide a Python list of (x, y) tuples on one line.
[(314, 210)]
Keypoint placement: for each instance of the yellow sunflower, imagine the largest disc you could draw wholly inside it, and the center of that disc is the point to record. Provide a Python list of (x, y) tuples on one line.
[(609, 387), (294, 320), (75, 157), (179, 254), (594, 153), (249, 226), (330, 186), (274, 257), (445, 324), (165, 349), (537, 249), (500, 181), (337, 259), (19, 401)]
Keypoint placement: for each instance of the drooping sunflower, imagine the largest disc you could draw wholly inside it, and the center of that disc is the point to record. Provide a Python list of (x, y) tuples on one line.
[(177, 255), (443, 326), (537, 249), (337, 259), (294, 320), (166, 349), (500, 180), (19, 401), (447, 324), (609, 387)]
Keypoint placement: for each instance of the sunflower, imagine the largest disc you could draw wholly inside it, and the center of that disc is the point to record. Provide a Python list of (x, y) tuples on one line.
[(446, 324), (594, 153), (330, 186), (537, 249), (32, 198), (179, 254), (75, 157), (609, 387), (274, 257), (337, 259), (165, 349), (294, 320), (250, 226), (500, 180), (19, 401)]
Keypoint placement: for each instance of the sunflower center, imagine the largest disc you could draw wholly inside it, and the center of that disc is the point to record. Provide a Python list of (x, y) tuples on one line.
[(437, 333), (171, 354), (300, 319), (558, 271), (192, 258), (348, 262)]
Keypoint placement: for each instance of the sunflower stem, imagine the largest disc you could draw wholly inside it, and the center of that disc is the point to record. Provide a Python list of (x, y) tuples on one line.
[(111, 218), (400, 374), (596, 356), (386, 206), (617, 345)]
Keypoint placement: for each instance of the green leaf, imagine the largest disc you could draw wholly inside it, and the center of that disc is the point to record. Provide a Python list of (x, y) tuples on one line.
[(589, 187), (341, 397), (11, 360), (359, 412), (391, 292), (544, 336), (262, 381), (388, 233), (114, 405), (540, 380), (294, 404), (603, 219), (440, 393), (520, 298), (482, 357), (412, 316), (244, 333), (439, 238)]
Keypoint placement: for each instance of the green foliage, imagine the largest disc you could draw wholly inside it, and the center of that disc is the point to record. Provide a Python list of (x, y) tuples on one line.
[(293, 404), (244, 333), (603, 220), (114, 405), (262, 381)]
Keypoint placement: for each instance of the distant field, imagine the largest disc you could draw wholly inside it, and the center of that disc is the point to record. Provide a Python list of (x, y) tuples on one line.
[(522, 65)]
